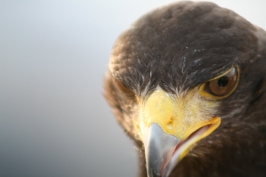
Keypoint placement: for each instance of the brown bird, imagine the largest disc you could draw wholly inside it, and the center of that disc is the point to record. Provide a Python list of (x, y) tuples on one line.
[(187, 83)]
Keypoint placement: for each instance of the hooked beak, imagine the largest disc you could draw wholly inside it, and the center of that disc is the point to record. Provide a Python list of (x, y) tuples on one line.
[(168, 133), (159, 148)]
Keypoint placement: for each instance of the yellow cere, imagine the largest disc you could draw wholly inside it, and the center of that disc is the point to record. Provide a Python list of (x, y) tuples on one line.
[(178, 116)]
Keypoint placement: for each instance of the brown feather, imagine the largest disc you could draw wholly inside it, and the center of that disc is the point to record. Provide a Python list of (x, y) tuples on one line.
[(179, 47)]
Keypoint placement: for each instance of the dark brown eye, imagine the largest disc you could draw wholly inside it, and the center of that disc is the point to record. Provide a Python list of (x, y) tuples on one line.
[(223, 85), (123, 88)]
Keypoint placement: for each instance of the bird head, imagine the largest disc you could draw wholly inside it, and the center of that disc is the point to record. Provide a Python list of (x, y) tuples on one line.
[(181, 76)]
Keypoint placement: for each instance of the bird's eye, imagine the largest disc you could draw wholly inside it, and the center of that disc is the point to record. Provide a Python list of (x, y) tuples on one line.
[(222, 86), (123, 88)]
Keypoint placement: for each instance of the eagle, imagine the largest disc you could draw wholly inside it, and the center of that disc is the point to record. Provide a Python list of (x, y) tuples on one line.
[(187, 83)]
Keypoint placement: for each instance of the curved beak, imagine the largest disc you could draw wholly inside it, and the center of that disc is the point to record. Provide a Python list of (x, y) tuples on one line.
[(169, 127), (159, 147)]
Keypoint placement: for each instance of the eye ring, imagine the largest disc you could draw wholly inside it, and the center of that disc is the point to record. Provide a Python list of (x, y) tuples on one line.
[(222, 86), (123, 88)]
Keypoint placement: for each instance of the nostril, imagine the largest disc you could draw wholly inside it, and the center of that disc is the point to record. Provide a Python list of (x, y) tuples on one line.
[(170, 123)]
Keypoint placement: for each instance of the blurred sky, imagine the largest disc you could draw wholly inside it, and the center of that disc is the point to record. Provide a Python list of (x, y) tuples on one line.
[(54, 121)]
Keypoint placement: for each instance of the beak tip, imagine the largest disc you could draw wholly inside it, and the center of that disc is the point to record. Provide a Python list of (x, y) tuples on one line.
[(159, 147)]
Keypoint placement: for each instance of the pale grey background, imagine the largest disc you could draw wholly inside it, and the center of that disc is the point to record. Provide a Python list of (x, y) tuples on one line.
[(54, 121)]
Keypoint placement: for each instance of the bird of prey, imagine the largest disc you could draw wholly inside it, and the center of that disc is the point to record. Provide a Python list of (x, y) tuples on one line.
[(187, 83)]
